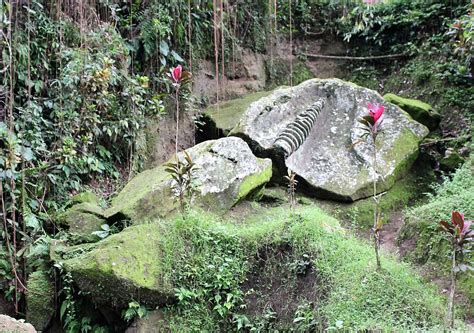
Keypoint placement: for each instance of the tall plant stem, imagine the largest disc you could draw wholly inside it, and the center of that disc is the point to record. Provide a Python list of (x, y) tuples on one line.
[(376, 230), (177, 120), (450, 314)]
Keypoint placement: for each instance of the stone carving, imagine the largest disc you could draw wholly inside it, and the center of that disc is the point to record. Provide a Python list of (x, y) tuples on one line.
[(296, 132)]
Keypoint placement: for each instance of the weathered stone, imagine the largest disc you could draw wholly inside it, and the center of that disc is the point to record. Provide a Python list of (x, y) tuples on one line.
[(225, 172), (9, 324), (220, 120), (418, 110), (331, 162), (39, 300), (451, 160), (82, 220), (121, 267), (154, 322)]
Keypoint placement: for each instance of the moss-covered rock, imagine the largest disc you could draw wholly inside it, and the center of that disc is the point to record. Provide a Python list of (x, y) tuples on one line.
[(124, 266), (81, 220), (226, 171), (85, 197), (148, 262), (153, 322), (330, 159), (39, 300), (418, 110), (219, 120), (451, 160)]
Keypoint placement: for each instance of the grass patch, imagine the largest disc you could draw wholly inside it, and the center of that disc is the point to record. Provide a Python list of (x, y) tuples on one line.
[(328, 277), (422, 224)]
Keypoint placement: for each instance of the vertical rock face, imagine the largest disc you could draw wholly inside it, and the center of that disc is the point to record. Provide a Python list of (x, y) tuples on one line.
[(332, 161)]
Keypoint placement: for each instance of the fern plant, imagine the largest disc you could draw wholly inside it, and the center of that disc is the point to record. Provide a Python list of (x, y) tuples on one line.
[(135, 310)]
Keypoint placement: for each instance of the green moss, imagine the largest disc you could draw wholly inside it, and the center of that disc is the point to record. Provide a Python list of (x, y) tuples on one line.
[(130, 261), (451, 162), (39, 300), (361, 212), (85, 197), (150, 260), (226, 116), (81, 220), (398, 152), (418, 110), (138, 199), (255, 181)]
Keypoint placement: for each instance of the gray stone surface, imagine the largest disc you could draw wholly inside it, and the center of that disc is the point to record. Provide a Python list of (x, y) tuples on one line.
[(328, 162), (9, 324), (226, 171)]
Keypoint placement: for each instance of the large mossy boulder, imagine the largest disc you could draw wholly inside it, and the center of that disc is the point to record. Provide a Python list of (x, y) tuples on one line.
[(122, 267), (40, 300), (220, 119), (418, 110), (331, 161), (81, 220), (226, 171)]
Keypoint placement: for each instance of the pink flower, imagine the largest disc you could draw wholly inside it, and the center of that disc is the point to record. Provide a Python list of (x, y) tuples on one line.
[(376, 111), (176, 73)]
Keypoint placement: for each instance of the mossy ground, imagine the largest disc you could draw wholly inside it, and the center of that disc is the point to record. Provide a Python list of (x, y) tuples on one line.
[(341, 284)]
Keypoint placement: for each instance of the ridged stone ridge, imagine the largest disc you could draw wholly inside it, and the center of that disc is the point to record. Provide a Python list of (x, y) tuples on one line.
[(296, 132)]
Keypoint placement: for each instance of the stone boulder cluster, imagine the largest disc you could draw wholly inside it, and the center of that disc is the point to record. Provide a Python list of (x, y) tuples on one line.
[(319, 120)]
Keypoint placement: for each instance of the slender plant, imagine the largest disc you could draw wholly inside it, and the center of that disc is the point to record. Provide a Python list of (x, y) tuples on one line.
[(461, 236), (372, 123), (182, 174), (292, 182), (180, 78)]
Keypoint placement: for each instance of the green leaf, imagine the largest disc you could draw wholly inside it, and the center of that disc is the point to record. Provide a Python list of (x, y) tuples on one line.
[(63, 309), (164, 48), (32, 222), (176, 56)]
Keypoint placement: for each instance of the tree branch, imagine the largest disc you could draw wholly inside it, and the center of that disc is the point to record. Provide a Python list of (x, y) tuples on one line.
[(322, 56)]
